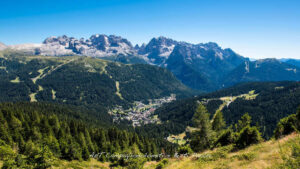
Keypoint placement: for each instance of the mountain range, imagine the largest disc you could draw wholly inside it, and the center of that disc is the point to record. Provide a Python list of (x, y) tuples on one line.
[(295, 62), (262, 70), (203, 66)]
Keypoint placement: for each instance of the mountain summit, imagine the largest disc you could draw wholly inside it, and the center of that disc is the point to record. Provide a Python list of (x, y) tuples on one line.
[(96, 46), (158, 50)]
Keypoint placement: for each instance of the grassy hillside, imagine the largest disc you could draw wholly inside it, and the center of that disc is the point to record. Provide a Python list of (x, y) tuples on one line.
[(271, 154)]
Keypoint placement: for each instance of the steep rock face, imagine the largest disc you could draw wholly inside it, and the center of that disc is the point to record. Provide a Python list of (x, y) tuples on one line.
[(202, 66), (158, 50), (199, 66), (95, 46)]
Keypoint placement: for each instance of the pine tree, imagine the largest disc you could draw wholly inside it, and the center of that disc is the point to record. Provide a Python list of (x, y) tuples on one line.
[(218, 122), (85, 153), (153, 148), (298, 118), (89, 141), (53, 144), (225, 137), (248, 136), (4, 135), (202, 138), (54, 122), (15, 123), (243, 122), (6, 151), (43, 159)]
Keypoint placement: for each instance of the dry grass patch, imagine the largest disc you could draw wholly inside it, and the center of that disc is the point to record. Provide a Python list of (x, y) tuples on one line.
[(261, 156)]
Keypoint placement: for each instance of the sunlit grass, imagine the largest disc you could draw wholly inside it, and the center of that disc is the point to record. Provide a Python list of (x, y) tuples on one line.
[(264, 155), (17, 80)]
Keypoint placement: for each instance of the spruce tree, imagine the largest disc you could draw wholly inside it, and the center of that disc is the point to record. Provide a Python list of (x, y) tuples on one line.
[(243, 122), (247, 135), (202, 137), (218, 122), (298, 118)]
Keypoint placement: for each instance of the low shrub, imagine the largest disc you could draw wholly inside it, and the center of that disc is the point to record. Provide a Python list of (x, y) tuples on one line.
[(214, 156), (245, 156), (185, 150), (162, 163)]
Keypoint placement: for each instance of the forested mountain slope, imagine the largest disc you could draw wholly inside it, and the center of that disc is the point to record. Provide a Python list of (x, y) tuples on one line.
[(38, 135), (34, 135), (83, 81), (262, 70), (266, 103)]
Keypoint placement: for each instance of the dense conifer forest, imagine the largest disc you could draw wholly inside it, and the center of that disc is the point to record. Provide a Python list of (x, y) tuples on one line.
[(35, 134), (274, 100), (83, 81)]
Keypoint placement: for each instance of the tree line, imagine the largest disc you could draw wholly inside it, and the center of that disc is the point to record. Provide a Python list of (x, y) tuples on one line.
[(34, 139)]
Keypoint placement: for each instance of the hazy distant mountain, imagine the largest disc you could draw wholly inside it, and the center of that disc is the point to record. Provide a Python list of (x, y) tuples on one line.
[(295, 62), (263, 70)]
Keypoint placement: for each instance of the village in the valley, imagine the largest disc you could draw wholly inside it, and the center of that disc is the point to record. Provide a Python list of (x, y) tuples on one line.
[(141, 113)]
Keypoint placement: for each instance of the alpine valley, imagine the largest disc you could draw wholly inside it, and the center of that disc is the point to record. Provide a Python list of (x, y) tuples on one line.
[(102, 102)]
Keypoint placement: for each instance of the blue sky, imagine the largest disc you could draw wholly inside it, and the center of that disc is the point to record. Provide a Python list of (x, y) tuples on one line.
[(253, 28)]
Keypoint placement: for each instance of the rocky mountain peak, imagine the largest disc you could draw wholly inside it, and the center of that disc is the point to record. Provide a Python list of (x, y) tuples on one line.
[(161, 42), (136, 47), (103, 42), (268, 60), (212, 45), (62, 40), (158, 49)]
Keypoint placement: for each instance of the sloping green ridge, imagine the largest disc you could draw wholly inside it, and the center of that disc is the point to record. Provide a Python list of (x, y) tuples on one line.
[(274, 101), (83, 81)]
